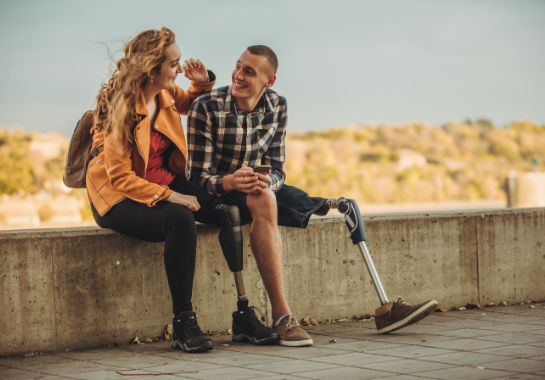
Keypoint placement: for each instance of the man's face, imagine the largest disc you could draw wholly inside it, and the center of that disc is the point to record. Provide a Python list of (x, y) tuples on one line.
[(251, 76)]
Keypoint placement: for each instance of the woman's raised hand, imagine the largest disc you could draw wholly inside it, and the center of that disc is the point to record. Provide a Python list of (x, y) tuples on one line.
[(188, 201), (195, 70)]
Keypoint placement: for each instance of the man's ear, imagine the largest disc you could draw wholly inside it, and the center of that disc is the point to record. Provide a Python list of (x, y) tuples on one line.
[(271, 81)]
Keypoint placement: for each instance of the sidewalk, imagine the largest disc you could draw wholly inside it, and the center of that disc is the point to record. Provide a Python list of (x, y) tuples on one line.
[(491, 343)]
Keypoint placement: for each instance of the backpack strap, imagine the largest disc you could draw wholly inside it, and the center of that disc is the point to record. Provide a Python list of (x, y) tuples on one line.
[(96, 151)]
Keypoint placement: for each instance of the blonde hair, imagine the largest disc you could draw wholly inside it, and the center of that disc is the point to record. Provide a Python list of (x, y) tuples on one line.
[(116, 101)]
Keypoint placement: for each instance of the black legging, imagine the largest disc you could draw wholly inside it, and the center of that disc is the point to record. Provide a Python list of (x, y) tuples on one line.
[(172, 223)]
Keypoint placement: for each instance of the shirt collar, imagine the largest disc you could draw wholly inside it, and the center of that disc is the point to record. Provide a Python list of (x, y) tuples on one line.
[(229, 105)]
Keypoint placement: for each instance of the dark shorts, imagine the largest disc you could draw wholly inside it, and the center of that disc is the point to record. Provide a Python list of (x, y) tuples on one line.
[(294, 206)]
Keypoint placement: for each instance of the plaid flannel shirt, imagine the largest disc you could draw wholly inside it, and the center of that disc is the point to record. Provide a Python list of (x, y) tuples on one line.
[(222, 140)]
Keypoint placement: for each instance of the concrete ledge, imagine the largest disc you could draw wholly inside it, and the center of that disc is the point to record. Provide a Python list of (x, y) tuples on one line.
[(87, 287)]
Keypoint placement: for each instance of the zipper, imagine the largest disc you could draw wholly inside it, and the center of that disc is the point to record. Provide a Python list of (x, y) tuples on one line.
[(97, 161), (138, 148)]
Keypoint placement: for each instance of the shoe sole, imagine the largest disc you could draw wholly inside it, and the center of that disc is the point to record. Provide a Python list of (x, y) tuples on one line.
[(296, 343), (179, 346), (251, 339), (416, 316)]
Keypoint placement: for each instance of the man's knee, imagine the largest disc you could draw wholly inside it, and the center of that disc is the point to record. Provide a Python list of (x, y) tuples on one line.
[(262, 204)]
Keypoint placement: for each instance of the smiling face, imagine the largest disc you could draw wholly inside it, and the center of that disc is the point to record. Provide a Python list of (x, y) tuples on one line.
[(252, 75), (170, 68)]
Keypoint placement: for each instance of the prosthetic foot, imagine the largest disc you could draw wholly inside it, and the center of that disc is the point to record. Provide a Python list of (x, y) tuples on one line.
[(246, 325), (391, 315)]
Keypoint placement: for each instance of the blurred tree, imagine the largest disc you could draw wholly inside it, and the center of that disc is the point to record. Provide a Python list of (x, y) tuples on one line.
[(15, 169)]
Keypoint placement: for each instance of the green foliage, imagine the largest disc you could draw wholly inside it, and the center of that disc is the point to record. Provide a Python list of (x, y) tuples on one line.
[(465, 161), (15, 168)]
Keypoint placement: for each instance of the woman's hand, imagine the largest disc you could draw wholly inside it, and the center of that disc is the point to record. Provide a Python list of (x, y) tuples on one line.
[(195, 70), (188, 201)]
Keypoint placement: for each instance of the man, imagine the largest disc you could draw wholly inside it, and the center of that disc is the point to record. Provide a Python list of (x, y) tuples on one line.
[(232, 130)]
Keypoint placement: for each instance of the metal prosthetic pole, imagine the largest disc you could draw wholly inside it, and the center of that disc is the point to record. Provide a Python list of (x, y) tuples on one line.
[(230, 238), (354, 222)]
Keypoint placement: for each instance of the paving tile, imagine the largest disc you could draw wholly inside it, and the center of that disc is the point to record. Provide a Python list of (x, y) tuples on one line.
[(347, 373), (465, 344), (462, 373), (99, 353), (292, 366), (468, 333), (288, 377), (135, 361), (233, 373), (304, 352), (402, 377), (413, 339), (514, 338), (411, 352), (112, 375), (213, 354), (464, 358), (515, 327), (364, 346), (19, 374), (425, 329), (406, 366), (325, 340), (518, 365), (243, 359), (540, 331), (68, 368), (34, 361), (522, 376), (354, 359), (147, 348), (184, 365), (518, 351)]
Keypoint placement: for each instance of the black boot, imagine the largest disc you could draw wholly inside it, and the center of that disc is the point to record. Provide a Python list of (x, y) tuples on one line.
[(187, 335), (246, 327)]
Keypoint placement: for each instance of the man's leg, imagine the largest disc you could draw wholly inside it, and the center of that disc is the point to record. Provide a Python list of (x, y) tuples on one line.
[(267, 248)]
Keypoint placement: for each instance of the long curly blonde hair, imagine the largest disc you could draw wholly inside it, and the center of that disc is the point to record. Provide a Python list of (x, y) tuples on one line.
[(115, 113)]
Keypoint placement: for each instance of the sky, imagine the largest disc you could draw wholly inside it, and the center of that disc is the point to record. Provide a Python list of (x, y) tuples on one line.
[(341, 62)]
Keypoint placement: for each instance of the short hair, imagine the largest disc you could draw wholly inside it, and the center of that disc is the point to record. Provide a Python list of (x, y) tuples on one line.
[(266, 52)]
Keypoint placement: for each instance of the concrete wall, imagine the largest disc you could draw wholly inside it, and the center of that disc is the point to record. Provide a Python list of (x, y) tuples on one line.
[(87, 287)]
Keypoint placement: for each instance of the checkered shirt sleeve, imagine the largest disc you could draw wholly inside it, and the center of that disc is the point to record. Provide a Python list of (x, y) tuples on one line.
[(221, 141)]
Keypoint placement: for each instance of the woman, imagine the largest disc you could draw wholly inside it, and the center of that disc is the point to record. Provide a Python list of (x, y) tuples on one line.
[(137, 184)]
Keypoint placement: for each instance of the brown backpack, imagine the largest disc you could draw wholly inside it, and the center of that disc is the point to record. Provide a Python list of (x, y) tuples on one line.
[(79, 153)]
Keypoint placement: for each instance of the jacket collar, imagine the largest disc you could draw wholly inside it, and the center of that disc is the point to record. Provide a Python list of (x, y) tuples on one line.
[(141, 108), (230, 107), (165, 100)]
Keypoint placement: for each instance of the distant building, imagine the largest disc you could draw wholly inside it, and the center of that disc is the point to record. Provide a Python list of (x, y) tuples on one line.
[(409, 158)]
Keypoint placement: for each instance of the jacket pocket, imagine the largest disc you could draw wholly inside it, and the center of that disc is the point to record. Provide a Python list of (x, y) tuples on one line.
[(97, 173)]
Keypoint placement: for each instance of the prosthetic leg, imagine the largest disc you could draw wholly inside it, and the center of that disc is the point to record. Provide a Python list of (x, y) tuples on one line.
[(390, 316), (246, 326), (231, 244), (353, 220)]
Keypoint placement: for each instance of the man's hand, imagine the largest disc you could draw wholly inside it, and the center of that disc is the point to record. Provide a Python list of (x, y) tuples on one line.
[(188, 201), (243, 180), (263, 183), (195, 70)]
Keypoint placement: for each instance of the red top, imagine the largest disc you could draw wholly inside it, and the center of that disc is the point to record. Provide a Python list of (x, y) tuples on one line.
[(156, 172)]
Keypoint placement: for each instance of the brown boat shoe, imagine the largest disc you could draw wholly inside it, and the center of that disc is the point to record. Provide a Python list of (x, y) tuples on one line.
[(291, 333), (398, 314)]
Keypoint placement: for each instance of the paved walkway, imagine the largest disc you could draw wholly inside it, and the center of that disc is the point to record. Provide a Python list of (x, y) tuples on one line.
[(492, 343)]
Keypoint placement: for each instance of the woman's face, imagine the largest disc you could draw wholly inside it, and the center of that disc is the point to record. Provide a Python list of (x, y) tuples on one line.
[(170, 68)]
